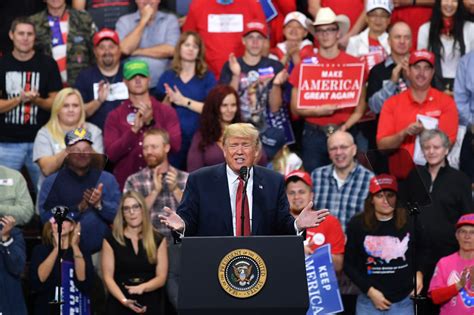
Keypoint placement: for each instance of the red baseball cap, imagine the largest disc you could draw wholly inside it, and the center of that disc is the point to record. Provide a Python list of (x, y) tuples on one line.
[(105, 33), (467, 219), (304, 176), (256, 26), (382, 182), (422, 55)]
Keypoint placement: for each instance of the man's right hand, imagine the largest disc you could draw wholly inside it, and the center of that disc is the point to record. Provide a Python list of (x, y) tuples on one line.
[(234, 65), (83, 205), (8, 223), (157, 180), (28, 96), (399, 69), (146, 14), (396, 73), (138, 123), (414, 128), (103, 92), (172, 220)]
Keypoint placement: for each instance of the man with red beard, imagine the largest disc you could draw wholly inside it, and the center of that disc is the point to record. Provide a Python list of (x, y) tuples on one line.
[(160, 183)]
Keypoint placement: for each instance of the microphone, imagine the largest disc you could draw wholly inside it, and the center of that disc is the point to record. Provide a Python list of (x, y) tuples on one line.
[(60, 212), (244, 173)]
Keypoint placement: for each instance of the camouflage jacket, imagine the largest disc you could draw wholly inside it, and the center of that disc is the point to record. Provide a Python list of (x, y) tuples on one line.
[(79, 53)]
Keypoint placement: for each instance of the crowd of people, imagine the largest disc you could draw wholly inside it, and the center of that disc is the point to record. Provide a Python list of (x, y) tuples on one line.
[(137, 115)]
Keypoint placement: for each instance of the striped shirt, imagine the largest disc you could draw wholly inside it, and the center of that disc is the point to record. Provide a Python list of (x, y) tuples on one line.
[(142, 182), (345, 201)]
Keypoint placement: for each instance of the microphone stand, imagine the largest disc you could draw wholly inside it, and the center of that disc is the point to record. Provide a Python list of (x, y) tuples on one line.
[(59, 214), (414, 211)]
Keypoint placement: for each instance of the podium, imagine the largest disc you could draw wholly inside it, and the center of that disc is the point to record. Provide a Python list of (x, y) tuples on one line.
[(256, 275)]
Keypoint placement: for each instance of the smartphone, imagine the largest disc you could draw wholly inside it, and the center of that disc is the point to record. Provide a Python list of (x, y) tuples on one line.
[(138, 304)]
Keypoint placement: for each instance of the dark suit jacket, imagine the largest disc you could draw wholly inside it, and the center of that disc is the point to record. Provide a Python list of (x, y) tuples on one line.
[(206, 210)]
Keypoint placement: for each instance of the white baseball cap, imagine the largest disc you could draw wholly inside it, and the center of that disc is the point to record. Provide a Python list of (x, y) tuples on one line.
[(296, 16), (387, 5)]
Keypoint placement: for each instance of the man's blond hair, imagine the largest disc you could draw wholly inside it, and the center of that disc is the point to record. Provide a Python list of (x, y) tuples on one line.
[(243, 130)]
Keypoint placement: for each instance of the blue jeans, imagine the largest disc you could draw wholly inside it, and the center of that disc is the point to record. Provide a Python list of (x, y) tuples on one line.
[(366, 307), (314, 151), (15, 155)]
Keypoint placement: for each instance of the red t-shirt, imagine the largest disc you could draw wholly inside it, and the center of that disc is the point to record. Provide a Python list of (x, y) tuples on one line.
[(328, 232), (283, 7), (341, 115), (221, 27), (401, 110)]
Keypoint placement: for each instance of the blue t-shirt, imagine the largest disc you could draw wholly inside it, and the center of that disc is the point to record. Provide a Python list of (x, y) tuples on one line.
[(196, 89), (85, 84)]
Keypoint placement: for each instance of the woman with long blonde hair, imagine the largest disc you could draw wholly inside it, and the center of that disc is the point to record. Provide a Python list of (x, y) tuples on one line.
[(134, 260), (67, 113)]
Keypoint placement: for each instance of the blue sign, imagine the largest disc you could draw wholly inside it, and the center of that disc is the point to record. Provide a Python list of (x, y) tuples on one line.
[(269, 9), (75, 302), (324, 296)]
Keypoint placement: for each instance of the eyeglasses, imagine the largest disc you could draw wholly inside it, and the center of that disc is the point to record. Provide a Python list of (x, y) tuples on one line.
[(324, 31), (134, 208), (463, 232)]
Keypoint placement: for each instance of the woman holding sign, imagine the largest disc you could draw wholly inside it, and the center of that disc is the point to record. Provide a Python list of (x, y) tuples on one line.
[(77, 272), (378, 255)]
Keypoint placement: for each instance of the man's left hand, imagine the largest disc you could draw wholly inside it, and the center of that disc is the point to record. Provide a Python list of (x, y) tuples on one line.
[(281, 77), (171, 179), (146, 112), (94, 196), (310, 218)]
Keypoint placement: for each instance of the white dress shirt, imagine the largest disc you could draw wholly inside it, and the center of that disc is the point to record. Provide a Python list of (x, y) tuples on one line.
[(233, 183)]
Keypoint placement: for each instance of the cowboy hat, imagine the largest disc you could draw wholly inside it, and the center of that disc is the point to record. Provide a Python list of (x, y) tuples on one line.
[(327, 16)]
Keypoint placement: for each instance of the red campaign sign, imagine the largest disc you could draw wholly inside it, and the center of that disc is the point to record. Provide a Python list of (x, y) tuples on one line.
[(330, 84)]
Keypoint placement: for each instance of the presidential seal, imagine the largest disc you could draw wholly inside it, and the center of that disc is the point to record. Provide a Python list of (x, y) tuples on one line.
[(242, 273)]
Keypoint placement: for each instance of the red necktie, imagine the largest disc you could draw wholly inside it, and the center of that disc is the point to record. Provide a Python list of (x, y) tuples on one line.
[(238, 212)]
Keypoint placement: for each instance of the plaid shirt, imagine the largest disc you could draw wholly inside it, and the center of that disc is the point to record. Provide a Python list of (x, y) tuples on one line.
[(342, 202), (142, 182)]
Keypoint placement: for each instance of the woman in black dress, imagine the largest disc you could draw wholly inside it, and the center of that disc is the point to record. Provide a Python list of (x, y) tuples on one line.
[(134, 260)]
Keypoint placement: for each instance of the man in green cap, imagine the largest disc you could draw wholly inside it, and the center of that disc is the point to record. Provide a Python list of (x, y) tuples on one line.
[(125, 125)]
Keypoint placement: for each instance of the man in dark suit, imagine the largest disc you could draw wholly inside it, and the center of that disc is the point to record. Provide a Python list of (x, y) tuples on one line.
[(210, 205)]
